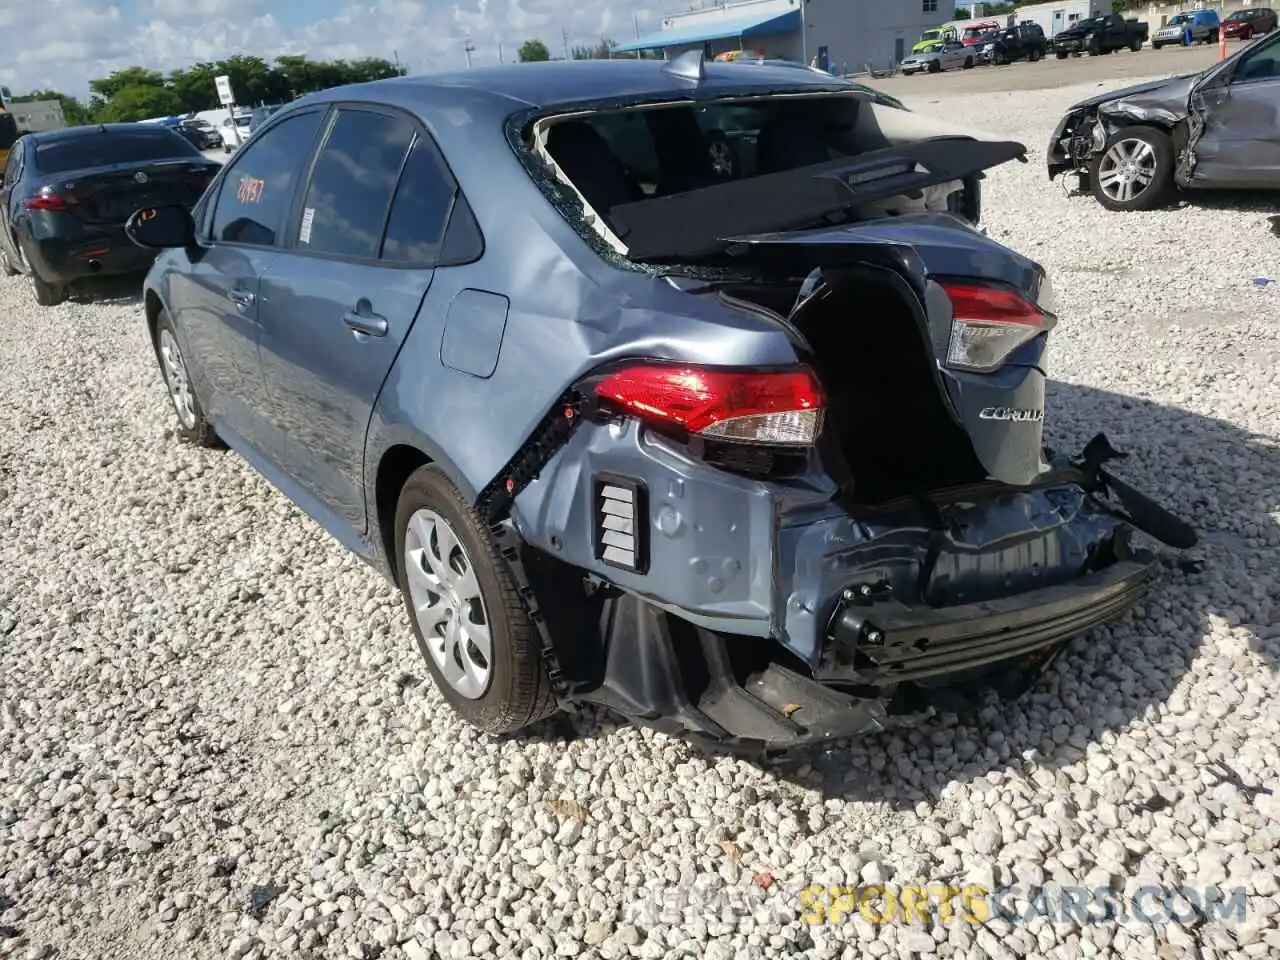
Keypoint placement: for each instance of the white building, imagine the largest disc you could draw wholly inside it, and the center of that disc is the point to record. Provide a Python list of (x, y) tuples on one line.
[(844, 36), (36, 116), (1056, 17)]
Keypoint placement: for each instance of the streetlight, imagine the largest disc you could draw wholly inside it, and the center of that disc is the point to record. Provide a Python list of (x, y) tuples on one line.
[(468, 48)]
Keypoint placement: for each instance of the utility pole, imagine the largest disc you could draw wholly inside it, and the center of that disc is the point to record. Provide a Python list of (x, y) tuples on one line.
[(468, 48), (635, 22), (501, 58), (564, 35)]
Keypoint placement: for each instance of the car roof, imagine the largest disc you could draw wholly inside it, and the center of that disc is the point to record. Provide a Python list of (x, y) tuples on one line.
[(45, 137), (563, 83)]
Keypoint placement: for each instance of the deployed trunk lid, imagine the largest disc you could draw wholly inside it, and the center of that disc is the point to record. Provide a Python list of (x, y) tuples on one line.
[(999, 413), (697, 223)]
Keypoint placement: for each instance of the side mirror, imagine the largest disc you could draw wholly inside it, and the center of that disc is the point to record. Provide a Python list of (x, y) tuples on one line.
[(161, 228)]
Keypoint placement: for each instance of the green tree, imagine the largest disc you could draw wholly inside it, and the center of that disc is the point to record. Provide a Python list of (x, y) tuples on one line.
[(604, 50), (138, 102), (533, 50)]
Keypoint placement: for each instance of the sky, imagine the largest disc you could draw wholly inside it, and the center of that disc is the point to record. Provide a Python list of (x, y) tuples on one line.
[(63, 44)]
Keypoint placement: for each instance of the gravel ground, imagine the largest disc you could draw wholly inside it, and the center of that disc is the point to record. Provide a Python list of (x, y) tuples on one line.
[(215, 738)]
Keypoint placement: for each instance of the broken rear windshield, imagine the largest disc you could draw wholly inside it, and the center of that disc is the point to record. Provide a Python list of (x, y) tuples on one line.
[(671, 180)]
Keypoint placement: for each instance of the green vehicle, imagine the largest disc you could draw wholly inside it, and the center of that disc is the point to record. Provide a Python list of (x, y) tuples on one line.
[(934, 38)]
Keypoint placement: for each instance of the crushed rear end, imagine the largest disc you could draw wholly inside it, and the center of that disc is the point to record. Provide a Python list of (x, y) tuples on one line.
[(778, 555)]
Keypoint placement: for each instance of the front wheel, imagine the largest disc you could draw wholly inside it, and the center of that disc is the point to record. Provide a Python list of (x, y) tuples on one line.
[(1213, 36), (1134, 171), (193, 428), (1061, 54), (968, 63), (1156, 44), (480, 646), (935, 66)]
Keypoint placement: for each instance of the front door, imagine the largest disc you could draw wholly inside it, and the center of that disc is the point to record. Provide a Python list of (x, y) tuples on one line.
[(219, 328), (1240, 145), (338, 305)]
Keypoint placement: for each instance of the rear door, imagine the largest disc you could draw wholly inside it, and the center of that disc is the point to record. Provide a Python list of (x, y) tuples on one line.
[(1240, 142), (339, 303), (220, 292)]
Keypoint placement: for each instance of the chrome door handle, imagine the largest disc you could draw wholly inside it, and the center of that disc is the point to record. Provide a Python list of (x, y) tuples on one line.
[(370, 324), (241, 298)]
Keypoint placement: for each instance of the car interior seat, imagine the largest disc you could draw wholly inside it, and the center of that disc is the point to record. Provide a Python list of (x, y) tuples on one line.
[(587, 160)]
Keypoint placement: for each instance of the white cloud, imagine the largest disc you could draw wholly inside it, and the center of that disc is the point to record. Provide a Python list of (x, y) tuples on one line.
[(62, 44)]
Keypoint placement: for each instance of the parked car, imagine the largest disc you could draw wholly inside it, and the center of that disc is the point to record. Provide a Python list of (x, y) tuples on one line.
[(1214, 129), (65, 196), (9, 134), (1193, 26), (1096, 35), (1026, 41), (201, 134), (234, 131), (601, 431), (1249, 23), (945, 57)]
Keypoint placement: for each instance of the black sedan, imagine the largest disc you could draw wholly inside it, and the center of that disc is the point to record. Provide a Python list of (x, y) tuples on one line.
[(1134, 148), (66, 194)]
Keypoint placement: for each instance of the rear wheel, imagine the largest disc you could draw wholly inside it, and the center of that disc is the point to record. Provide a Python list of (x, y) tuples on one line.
[(1135, 46), (480, 646), (1134, 171), (1060, 54), (968, 63), (1213, 36), (46, 294)]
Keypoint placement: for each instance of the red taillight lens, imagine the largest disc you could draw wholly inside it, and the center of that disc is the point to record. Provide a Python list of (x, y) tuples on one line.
[(777, 407), (988, 324), (47, 199)]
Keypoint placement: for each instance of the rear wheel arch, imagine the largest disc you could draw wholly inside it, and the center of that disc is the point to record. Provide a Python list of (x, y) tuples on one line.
[(396, 465)]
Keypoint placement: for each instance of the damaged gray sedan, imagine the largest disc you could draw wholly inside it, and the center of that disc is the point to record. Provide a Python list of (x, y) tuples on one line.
[(1218, 129), (751, 452)]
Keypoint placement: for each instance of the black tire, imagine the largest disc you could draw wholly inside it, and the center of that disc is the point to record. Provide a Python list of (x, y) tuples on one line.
[(935, 66), (1091, 47), (195, 430), (46, 294), (1060, 54), (968, 63), (518, 691), (1161, 187), (1135, 46), (1246, 34), (1156, 45)]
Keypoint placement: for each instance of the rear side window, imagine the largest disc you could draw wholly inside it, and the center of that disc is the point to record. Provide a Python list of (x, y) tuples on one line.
[(355, 176), (420, 210), (112, 147), (258, 188)]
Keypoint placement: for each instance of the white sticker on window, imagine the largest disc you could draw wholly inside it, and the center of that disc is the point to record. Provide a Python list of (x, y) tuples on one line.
[(308, 215)]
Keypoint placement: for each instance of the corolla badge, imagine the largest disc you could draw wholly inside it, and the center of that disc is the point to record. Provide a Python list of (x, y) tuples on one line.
[(1013, 414), (140, 176)]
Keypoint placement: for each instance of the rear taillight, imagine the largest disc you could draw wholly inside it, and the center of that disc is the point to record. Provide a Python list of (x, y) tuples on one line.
[(49, 199), (989, 323), (782, 408)]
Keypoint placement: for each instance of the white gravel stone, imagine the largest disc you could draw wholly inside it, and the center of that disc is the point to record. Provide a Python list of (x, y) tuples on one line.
[(211, 734)]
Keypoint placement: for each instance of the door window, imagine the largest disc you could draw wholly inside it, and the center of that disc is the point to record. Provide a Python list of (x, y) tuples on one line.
[(258, 189), (355, 177), (1263, 64), (420, 210)]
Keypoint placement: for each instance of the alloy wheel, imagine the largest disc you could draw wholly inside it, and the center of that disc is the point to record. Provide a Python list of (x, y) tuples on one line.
[(175, 376), (445, 596), (1127, 169)]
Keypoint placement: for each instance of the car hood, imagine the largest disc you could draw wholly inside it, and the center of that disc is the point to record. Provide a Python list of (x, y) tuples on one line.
[(1169, 94)]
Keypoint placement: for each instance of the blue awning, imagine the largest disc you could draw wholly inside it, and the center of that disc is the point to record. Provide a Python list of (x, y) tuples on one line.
[(759, 26)]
